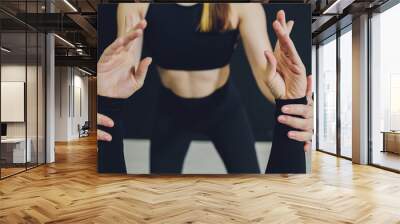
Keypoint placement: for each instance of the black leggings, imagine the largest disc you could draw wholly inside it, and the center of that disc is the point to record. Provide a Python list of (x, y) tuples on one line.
[(220, 117)]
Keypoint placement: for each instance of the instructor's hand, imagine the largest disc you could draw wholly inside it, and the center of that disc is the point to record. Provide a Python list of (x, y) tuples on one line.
[(287, 79), (117, 76), (287, 74)]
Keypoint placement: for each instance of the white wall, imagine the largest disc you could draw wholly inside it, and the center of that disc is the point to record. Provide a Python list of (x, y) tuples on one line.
[(61, 103), (80, 84), (50, 94), (16, 73), (33, 126), (70, 83)]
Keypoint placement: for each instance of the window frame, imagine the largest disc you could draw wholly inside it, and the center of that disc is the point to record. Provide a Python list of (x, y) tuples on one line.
[(334, 37)]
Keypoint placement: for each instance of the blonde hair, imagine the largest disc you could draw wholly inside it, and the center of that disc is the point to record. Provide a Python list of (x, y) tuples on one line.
[(215, 17)]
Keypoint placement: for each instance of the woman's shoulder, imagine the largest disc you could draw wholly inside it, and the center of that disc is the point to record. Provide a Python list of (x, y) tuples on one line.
[(245, 7), (128, 8), (247, 10)]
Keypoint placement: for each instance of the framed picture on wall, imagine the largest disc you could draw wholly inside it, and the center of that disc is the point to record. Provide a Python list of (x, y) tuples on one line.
[(12, 101)]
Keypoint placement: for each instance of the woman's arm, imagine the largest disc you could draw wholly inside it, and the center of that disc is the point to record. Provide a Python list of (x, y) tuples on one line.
[(129, 14), (120, 73), (283, 74), (253, 31), (117, 73)]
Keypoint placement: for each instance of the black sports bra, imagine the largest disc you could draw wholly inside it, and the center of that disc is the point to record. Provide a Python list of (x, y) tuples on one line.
[(174, 41)]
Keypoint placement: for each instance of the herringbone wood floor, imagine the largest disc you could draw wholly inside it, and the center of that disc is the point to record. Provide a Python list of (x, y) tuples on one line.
[(70, 191)]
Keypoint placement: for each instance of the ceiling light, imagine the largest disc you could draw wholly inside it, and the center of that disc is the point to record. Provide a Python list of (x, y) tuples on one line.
[(80, 51), (5, 50), (332, 8), (65, 41), (84, 71), (70, 5)]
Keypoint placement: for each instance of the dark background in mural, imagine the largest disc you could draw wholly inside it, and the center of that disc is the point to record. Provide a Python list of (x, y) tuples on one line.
[(140, 110)]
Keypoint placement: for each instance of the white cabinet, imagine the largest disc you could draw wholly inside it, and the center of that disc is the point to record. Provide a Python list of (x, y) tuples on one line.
[(16, 147)]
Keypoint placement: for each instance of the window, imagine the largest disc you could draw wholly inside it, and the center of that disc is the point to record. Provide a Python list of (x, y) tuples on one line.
[(327, 96), (346, 93), (14, 153), (385, 89), (22, 66)]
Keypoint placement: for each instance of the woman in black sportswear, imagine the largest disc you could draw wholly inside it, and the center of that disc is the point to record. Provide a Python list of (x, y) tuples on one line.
[(191, 44)]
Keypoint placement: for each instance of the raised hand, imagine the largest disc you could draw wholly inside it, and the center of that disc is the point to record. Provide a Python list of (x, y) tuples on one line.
[(117, 76), (289, 81)]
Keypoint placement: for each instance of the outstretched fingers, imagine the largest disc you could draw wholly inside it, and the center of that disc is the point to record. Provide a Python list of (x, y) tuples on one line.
[(281, 18), (112, 48), (120, 43), (131, 25), (129, 37), (289, 27), (140, 74), (132, 28), (286, 44), (133, 32), (124, 42)]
